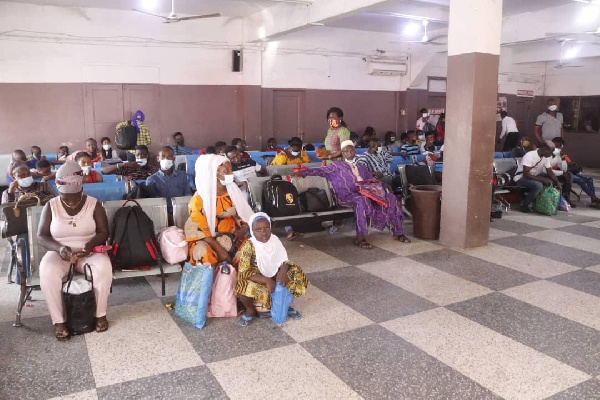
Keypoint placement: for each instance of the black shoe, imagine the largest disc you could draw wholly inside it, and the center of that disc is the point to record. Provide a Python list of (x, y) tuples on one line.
[(525, 208)]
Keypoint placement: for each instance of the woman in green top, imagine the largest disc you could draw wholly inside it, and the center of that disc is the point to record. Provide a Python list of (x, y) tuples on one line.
[(336, 133)]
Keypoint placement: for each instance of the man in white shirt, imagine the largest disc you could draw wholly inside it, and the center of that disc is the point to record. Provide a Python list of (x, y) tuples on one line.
[(509, 129), (534, 172)]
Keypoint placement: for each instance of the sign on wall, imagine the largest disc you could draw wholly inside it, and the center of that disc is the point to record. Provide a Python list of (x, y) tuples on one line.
[(524, 93)]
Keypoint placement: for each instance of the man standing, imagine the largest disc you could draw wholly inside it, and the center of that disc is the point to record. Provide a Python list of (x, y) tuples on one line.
[(143, 138), (509, 129), (549, 124), (534, 172)]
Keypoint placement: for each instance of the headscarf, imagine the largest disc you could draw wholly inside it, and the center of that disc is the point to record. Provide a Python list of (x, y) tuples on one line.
[(269, 255), (206, 186), (69, 178), (135, 120)]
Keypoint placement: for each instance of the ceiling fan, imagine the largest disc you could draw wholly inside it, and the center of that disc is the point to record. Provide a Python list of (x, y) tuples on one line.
[(173, 18), (561, 63), (426, 39)]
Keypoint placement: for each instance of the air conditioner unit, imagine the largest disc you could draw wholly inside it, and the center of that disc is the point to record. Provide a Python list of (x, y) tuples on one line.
[(387, 69)]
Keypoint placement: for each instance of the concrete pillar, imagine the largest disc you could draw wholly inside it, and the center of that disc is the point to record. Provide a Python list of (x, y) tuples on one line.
[(473, 58)]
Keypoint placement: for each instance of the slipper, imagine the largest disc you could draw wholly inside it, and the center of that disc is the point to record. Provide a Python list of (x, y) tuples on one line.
[(101, 324), (402, 239), (294, 235), (363, 244), (62, 334), (245, 321)]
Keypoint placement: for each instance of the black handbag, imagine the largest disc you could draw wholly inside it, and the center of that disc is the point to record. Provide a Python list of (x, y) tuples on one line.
[(80, 309), (314, 200), (15, 214)]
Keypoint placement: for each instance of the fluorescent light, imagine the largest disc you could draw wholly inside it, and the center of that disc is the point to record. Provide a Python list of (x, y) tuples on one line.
[(571, 52), (411, 29), (149, 4)]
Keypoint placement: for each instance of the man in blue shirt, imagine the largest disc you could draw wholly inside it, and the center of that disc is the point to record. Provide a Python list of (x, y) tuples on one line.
[(168, 182), (410, 148)]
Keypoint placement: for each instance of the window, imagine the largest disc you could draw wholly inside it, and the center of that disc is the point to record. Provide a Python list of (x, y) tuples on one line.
[(581, 114)]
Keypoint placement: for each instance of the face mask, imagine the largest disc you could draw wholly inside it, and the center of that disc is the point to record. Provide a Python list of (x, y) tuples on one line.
[(424, 115), (379, 149), (421, 138), (166, 164), (179, 142), (141, 161), (552, 107), (392, 139), (25, 182), (334, 123), (86, 170), (526, 143), (352, 161), (227, 180), (106, 147), (556, 152), (295, 153)]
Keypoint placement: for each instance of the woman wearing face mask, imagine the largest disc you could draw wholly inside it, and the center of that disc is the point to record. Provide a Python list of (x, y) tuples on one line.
[(107, 152), (292, 155), (217, 227), (89, 175), (336, 134), (23, 185)]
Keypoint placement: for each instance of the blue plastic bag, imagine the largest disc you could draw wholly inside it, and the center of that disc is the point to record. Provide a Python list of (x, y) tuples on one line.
[(281, 300), (193, 294)]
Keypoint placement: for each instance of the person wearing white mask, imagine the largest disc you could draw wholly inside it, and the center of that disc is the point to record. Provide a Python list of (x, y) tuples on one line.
[(344, 177), (217, 226), (549, 124), (168, 182), (133, 170), (89, 175), (107, 150), (292, 155), (25, 185), (559, 167)]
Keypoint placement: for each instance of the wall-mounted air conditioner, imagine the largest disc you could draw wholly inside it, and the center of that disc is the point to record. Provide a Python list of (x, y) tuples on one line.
[(387, 69)]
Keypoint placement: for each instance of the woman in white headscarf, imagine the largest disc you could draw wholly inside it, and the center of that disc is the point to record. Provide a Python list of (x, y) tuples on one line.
[(217, 226), (263, 262)]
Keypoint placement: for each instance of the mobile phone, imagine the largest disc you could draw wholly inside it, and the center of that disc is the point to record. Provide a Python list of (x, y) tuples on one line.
[(101, 249)]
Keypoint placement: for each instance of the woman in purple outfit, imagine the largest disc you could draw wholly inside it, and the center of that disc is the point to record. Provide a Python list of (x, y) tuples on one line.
[(343, 176)]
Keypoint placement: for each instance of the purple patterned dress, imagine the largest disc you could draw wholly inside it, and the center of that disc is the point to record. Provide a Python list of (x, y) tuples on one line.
[(343, 180)]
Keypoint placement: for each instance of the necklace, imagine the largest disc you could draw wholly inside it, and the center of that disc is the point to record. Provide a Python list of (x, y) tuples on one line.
[(72, 207)]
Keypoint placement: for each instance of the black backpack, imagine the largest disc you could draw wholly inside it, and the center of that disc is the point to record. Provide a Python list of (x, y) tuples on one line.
[(280, 198), (134, 242), (126, 137), (314, 200)]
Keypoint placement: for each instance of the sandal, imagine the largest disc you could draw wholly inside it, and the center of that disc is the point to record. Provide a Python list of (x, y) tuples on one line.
[(294, 235), (402, 239), (246, 321), (61, 332), (363, 244), (101, 324)]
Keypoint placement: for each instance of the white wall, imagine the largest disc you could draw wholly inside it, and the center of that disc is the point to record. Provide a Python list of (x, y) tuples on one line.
[(582, 81)]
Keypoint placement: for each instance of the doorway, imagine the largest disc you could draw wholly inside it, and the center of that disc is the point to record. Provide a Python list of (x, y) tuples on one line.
[(288, 114)]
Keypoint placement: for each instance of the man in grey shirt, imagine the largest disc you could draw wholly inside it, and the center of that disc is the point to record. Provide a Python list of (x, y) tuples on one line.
[(549, 124)]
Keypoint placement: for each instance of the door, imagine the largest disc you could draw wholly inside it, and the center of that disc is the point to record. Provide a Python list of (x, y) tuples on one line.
[(103, 110), (288, 114), (521, 114), (145, 98)]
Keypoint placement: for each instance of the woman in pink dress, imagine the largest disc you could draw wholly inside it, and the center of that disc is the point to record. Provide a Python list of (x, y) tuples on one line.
[(71, 225)]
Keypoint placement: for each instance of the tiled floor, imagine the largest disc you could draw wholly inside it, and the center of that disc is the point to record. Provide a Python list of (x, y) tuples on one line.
[(518, 319)]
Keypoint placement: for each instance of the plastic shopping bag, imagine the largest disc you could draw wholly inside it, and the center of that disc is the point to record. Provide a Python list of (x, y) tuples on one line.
[(563, 204), (223, 302), (193, 294), (547, 201), (281, 300)]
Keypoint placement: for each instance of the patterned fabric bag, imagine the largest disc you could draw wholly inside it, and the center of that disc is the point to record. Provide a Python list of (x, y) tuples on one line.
[(547, 201), (374, 190), (193, 294)]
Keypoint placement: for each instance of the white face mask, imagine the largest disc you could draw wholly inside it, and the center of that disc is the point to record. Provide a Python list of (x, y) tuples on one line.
[(166, 164), (552, 107), (295, 153), (25, 182), (86, 170), (424, 115), (352, 161), (141, 161), (379, 149), (556, 152), (106, 147), (227, 180)]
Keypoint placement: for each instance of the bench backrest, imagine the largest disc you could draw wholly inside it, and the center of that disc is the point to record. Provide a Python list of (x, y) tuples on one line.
[(256, 185), (503, 165), (180, 210), (416, 175), (287, 169), (36, 250)]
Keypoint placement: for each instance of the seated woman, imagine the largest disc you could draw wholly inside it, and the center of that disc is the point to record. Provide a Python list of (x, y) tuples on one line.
[(217, 227), (25, 185), (89, 175), (343, 176), (71, 226), (263, 262), (292, 155)]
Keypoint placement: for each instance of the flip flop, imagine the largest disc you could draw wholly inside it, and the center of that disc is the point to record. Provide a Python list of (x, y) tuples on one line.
[(363, 244), (246, 321), (62, 335), (101, 324), (294, 235), (402, 239)]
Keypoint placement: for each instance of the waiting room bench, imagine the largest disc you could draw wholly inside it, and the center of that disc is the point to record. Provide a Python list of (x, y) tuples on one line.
[(156, 210)]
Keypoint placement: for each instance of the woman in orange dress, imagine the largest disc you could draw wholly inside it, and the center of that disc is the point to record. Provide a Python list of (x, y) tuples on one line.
[(217, 226)]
